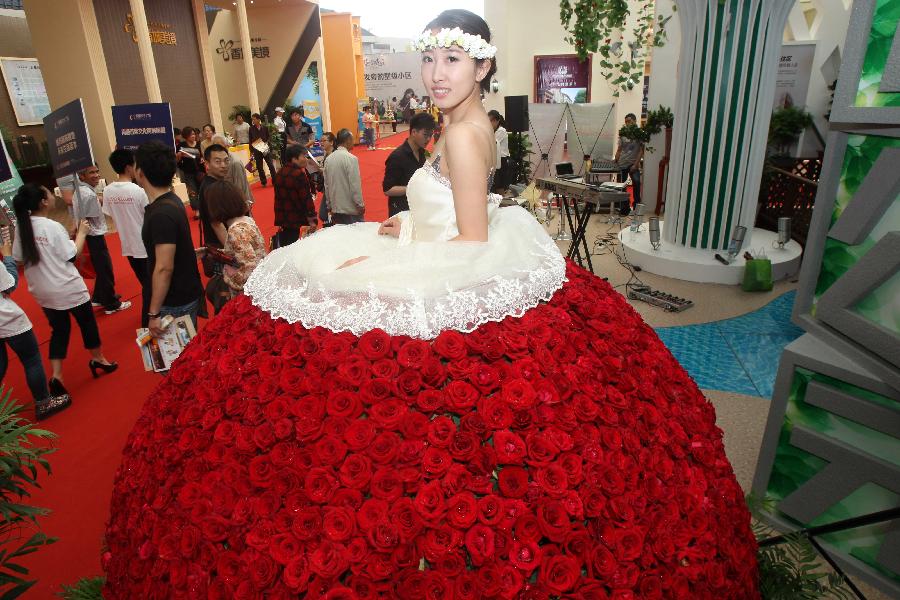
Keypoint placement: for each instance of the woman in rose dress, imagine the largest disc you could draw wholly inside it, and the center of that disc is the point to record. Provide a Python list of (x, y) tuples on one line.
[(437, 406)]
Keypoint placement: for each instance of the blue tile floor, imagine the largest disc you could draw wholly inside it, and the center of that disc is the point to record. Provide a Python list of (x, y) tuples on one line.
[(736, 355)]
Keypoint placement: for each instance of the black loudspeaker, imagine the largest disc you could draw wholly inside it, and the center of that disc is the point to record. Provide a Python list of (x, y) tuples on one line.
[(516, 113)]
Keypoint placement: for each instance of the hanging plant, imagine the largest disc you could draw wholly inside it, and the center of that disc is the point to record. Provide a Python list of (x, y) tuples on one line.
[(599, 26)]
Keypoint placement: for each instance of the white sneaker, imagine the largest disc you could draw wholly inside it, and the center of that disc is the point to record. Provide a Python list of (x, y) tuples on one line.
[(124, 305)]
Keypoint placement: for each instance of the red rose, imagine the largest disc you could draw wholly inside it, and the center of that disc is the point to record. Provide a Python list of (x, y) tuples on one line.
[(408, 522), (385, 368), (433, 372), (525, 556), (509, 448), (409, 383), (429, 502), (342, 403), (405, 556), (462, 510), (480, 544), (429, 401), (261, 471), (460, 395), (359, 434), (383, 536), (490, 510), (339, 524), (329, 560), (435, 462), (263, 571), (465, 448), (541, 449), (511, 582), (376, 390), (384, 448), (628, 544), (440, 541), (559, 573), (436, 586), (553, 480), (553, 520), (228, 567), (496, 414), (319, 485), (329, 450), (414, 425), (485, 377), (388, 413), (307, 523), (374, 344), (386, 484), (466, 586), (413, 353), (450, 345), (356, 471), (488, 578), (519, 394), (371, 513), (513, 482), (296, 574), (341, 593), (284, 547), (440, 431)]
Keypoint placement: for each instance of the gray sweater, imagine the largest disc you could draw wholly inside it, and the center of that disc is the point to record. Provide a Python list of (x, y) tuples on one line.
[(343, 187)]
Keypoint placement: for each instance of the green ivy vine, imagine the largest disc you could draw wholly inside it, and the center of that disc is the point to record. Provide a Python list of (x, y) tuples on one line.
[(600, 26)]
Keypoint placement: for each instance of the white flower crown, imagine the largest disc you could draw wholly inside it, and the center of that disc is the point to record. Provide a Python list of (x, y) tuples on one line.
[(474, 45)]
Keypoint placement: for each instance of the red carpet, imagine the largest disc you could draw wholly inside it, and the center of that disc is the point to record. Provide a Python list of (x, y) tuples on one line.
[(92, 432)]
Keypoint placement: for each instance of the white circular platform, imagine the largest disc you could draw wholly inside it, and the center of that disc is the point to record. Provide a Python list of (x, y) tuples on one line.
[(692, 264)]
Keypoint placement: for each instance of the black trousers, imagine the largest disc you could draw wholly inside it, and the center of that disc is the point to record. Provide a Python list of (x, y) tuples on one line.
[(260, 158), (61, 326), (288, 235), (139, 266), (105, 284)]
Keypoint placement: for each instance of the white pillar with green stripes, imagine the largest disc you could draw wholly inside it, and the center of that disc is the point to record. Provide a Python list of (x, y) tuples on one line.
[(726, 85)]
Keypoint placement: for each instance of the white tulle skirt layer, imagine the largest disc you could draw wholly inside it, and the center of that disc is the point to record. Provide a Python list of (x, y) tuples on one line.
[(419, 289)]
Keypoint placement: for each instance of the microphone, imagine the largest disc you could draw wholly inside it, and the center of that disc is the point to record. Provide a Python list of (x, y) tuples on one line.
[(637, 216), (737, 240), (784, 231), (654, 232)]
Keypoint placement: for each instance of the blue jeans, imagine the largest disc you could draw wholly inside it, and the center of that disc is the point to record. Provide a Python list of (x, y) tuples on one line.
[(191, 309), (26, 348)]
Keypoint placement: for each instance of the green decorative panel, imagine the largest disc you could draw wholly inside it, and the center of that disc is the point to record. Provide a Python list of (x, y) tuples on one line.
[(794, 467), (878, 48), (882, 306), (862, 152)]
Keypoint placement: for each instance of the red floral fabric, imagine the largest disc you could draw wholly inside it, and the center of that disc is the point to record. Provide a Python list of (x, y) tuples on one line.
[(561, 454)]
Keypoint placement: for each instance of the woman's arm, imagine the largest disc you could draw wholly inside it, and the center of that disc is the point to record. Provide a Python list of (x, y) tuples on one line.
[(468, 175)]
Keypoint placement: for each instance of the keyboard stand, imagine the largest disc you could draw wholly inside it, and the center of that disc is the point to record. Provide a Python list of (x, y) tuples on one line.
[(579, 229)]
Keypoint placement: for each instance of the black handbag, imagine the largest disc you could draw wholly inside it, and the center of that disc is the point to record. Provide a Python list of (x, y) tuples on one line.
[(217, 292)]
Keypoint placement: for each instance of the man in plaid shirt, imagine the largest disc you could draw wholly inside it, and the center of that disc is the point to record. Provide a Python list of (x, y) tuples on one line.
[(294, 193)]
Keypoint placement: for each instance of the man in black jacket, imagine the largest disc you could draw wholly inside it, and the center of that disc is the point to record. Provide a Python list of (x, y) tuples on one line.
[(403, 162), (259, 132)]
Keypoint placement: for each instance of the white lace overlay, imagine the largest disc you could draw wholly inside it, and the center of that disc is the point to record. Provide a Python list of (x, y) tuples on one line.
[(417, 285)]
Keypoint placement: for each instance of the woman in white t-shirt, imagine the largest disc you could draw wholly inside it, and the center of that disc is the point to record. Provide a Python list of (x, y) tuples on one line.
[(48, 254), (16, 332)]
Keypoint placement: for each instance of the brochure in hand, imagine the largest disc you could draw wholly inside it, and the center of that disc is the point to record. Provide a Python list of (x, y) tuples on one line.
[(159, 353)]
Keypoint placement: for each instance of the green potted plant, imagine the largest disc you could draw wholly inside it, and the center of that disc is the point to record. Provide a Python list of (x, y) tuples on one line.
[(519, 151), (785, 128), (23, 448)]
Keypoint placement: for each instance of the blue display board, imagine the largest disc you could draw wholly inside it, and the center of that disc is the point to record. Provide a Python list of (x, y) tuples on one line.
[(139, 123), (68, 140)]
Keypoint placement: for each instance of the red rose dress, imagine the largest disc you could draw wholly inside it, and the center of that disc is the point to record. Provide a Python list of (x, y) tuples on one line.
[(441, 420)]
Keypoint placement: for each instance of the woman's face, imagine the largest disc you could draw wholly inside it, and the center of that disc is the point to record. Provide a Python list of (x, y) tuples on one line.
[(450, 75), (326, 144), (494, 123), (208, 133), (191, 138)]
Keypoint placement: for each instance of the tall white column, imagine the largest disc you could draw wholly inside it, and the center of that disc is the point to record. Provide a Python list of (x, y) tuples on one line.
[(249, 72), (145, 49), (729, 55)]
